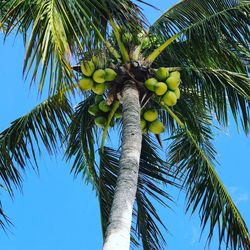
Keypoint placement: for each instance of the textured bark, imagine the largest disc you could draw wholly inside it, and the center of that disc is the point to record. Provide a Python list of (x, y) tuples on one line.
[(118, 230)]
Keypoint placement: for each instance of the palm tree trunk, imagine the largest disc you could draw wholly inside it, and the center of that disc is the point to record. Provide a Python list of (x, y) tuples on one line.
[(118, 230)]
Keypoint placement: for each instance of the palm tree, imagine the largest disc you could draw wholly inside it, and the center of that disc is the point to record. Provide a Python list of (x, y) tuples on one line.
[(206, 41)]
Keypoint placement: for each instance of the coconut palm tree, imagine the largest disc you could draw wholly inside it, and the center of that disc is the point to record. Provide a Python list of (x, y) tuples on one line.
[(204, 42)]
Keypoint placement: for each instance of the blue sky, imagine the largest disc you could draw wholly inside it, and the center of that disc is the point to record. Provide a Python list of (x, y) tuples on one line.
[(57, 212)]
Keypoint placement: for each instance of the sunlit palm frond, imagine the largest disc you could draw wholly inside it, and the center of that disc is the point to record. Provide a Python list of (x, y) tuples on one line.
[(59, 30)]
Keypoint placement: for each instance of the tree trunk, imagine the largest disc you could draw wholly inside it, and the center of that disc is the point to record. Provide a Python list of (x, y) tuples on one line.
[(118, 230)]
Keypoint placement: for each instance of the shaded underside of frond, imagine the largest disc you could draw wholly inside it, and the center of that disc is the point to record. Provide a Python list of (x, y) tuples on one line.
[(81, 139), (21, 143), (204, 22)]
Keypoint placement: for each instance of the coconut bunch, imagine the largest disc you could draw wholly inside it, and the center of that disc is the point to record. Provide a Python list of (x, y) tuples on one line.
[(100, 109), (141, 39), (94, 77), (150, 122), (165, 85)]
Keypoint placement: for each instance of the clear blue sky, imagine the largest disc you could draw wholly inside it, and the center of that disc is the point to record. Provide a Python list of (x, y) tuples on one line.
[(57, 212)]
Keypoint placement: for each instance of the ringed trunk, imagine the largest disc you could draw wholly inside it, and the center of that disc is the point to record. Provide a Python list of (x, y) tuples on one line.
[(120, 219)]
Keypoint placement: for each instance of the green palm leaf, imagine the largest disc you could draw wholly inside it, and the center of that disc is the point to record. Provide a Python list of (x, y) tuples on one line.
[(81, 142), (206, 21), (194, 154), (61, 30), (21, 142)]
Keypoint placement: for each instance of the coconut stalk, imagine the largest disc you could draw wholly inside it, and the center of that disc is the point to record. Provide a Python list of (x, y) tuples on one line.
[(120, 219)]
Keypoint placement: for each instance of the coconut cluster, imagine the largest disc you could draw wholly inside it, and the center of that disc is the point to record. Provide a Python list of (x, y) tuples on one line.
[(165, 85), (150, 122), (95, 78), (100, 109)]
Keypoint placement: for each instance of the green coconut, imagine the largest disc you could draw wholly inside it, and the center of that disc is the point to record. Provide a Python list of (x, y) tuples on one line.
[(145, 42), (95, 60), (143, 124), (98, 98), (156, 127), (99, 76), (110, 74), (170, 98), (103, 106), (175, 74), (173, 80), (162, 73), (88, 68), (150, 84), (99, 88), (161, 88), (118, 115), (86, 84), (93, 109), (127, 38), (150, 115), (100, 121), (177, 93)]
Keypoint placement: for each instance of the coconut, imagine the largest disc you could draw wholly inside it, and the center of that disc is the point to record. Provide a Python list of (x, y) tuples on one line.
[(99, 88), (110, 75), (143, 124), (150, 115), (162, 73), (103, 106), (86, 84), (93, 109), (161, 88), (127, 38), (100, 121), (177, 93), (150, 84), (99, 76), (175, 74), (170, 98), (145, 42), (95, 60), (173, 80), (88, 68), (98, 98), (118, 115), (156, 127)]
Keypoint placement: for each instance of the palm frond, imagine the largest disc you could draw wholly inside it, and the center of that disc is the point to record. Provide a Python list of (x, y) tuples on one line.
[(22, 141), (206, 26), (154, 174), (194, 155), (60, 29), (81, 142)]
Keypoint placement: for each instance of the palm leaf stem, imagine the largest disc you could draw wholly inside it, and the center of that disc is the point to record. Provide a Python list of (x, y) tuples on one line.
[(110, 116), (122, 47)]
